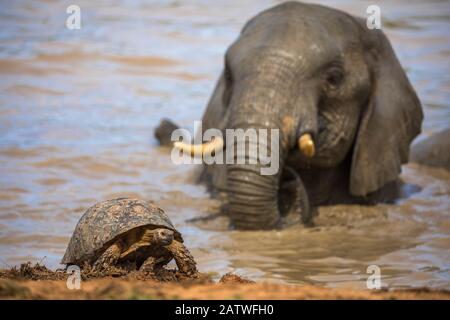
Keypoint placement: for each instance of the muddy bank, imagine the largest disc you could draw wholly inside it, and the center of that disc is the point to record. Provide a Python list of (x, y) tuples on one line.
[(28, 271), (38, 282), (117, 288)]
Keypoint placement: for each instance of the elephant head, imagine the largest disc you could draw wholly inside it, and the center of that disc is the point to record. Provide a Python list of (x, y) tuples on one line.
[(334, 88)]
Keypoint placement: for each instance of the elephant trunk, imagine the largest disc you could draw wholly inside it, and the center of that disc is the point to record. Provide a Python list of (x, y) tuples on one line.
[(253, 197), (267, 101)]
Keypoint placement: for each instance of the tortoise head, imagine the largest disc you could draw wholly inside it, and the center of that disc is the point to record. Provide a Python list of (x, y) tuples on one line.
[(162, 236), (150, 237)]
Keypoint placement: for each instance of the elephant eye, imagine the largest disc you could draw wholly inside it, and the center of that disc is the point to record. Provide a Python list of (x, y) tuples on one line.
[(334, 78)]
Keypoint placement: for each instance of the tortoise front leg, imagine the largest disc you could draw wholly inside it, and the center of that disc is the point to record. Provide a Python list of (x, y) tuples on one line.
[(185, 261), (151, 262), (148, 265), (108, 258)]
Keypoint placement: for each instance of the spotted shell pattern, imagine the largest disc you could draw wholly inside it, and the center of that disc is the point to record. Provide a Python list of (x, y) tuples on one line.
[(106, 221)]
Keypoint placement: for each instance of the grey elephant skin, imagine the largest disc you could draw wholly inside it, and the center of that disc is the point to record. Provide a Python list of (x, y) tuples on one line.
[(310, 69), (433, 151)]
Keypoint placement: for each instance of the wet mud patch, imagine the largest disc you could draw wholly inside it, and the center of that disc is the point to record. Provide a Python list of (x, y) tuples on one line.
[(28, 271)]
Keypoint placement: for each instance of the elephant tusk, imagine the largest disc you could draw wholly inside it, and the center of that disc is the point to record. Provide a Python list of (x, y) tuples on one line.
[(216, 144), (306, 145)]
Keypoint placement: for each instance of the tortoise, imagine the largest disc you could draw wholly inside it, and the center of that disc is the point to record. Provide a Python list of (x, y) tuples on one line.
[(123, 230)]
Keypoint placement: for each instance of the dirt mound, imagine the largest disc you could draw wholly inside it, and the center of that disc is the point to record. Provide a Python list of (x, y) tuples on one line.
[(233, 278), (27, 271)]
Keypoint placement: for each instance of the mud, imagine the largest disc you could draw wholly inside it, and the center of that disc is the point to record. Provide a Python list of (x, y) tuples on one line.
[(22, 284), (28, 271)]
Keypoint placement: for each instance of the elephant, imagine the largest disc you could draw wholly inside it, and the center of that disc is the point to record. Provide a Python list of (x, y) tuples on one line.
[(344, 107), (433, 151)]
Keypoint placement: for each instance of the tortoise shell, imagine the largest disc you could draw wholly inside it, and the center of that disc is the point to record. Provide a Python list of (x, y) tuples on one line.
[(107, 221)]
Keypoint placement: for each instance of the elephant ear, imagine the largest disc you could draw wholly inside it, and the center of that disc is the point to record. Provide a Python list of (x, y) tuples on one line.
[(391, 120)]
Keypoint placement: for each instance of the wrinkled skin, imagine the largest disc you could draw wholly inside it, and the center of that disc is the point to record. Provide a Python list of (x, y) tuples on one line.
[(305, 68)]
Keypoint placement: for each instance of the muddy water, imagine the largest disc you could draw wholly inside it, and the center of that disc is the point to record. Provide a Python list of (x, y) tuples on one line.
[(77, 112)]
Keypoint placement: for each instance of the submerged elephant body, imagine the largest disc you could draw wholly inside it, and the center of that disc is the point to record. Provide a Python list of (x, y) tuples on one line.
[(311, 71)]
